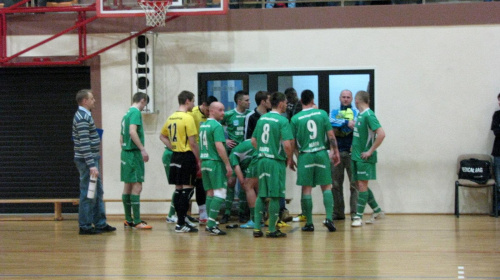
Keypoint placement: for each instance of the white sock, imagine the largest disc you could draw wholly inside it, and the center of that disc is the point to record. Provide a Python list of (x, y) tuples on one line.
[(203, 211)]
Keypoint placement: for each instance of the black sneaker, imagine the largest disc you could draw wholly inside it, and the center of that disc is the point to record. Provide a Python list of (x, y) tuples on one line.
[(224, 219), (329, 224), (276, 234), (216, 231), (106, 228), (185, 228), (90, 231), (309, 227), (128, 224), (192, 219), (257, 233)]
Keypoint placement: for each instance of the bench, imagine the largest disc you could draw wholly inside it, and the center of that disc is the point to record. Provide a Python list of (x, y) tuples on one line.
[(57, 203)]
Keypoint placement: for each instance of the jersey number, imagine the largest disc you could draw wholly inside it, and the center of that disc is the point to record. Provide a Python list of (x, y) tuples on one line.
[(173, 134), (265, 133), (311, 126), (203, 139)]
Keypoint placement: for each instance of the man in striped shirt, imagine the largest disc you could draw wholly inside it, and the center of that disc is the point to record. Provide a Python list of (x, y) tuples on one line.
[(91, 212)]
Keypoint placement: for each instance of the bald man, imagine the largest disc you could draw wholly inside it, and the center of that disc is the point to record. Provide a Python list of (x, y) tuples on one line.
[(215, 167)]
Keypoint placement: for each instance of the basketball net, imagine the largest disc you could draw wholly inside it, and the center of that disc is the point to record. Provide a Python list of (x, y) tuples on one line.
[(155, 11)]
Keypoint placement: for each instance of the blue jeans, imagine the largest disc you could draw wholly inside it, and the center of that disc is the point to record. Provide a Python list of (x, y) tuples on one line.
[(90, 211)]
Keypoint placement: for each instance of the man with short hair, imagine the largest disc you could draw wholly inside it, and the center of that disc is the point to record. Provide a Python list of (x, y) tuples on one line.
[(273, 140), (215, 167), (367, 137), (263, 107), (179, 134), (91, 212), (234, 120), (133, 157), (343, 120), (310, 128)]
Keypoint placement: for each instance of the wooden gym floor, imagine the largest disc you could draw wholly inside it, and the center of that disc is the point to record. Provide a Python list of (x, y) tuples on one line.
[(397, 247)]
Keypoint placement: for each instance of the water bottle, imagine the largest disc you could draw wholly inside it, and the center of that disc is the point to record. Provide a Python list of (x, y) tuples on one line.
[(92, 184)]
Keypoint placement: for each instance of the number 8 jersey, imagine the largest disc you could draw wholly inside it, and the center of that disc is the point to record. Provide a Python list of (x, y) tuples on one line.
[(269, 132)]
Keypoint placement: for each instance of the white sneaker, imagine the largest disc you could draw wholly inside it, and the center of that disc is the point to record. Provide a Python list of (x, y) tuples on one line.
[(191, 224), (357, 222), (376, 216), (172, 220)]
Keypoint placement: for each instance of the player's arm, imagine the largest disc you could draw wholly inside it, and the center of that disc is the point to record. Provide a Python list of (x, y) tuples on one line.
[(334, 150), (194, 146), (380, 135), (165, 141), (221, 150), (137, 141), (289, 147)]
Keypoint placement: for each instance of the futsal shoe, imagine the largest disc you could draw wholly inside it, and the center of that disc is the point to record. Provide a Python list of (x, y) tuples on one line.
[(356, 222), (142, 225), (376, 216), (185, 228), (249, 224), (257, 233), (329, 225), (127, 224), (276, 234), (216, 231), (309, 227), (299, 218), (192, 219), (171, 220), (188, 221)]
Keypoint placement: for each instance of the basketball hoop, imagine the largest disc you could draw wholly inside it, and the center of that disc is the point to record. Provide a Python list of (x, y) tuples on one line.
[(155, 11)]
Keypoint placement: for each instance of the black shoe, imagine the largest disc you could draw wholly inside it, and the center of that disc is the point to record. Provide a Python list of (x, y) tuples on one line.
[(276, 234), (216, 231), (338, 217), (185, 228), (329, 224), (192, 219), (107, 228), (224, 219), (257, 233), (309, 227), (90, 231)]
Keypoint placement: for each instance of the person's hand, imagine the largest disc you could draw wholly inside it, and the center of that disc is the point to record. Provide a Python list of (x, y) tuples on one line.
[(335, 157), (198, 169), (145, 156), (230, 143), (229, 171), (351, 124), (291, 163), (366, 154), (94, 172)]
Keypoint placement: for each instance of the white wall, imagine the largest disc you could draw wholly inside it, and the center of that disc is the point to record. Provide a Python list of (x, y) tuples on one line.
[(435, 91)]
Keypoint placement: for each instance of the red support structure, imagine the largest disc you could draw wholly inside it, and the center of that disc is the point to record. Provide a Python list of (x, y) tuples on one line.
[(80, 25)]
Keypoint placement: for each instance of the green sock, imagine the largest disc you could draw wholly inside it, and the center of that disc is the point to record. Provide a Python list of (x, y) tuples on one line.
[(362, 198), (229, 201), (302, 205), (135, 200), (127, 207), (274, 210), (214, 211), (252, 215), (372, 202), (328, 202), (308, 207), (172, 206), (258, 212), (208, 203)]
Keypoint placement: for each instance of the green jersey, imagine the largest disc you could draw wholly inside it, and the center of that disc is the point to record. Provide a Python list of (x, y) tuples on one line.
[(269, 132), (364, 135), (310, 127), (242, 154), (235, 122), (211, 131), (133, 116)]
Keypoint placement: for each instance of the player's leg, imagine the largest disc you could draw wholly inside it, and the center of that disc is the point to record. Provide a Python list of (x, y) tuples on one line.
[(127, 206), (135, 200), (231, 183), (305, 178), (338, 186), (276, 188)]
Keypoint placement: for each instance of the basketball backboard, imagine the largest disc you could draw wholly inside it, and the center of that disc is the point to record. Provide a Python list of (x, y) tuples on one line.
[(130, 8)]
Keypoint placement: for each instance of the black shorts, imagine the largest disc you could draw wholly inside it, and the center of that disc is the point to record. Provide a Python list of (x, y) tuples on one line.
[(183, 168)]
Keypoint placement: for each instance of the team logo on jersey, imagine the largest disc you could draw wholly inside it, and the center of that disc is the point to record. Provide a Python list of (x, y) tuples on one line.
[(236, 122)]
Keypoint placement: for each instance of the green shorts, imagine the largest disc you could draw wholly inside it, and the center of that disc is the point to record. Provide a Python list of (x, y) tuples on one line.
[(363, 171), (314, 169), (213, 173), (251, 171), (272, 175), (167, 156), (132, 167)]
